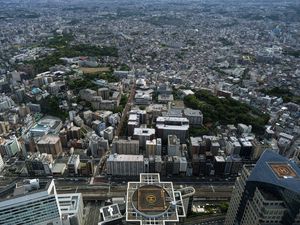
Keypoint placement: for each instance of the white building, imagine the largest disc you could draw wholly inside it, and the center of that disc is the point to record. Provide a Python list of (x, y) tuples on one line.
[(143, 134), (178, 126), (152, 201), (71, 207), (73, 164), (1, 163), (110, 215), (108, 133), (6, 103), (173, 146), (125, 165), (9, 147)]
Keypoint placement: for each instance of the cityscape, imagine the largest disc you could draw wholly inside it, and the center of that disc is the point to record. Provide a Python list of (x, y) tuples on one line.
[(154, 112)]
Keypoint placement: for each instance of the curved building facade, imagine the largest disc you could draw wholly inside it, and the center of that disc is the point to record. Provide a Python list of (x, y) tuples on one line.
[(266, 193), (151, 201)]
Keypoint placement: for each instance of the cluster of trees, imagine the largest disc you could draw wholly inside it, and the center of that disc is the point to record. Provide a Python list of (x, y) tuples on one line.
[(226, 111), (123, 102), (284, 93), (104, 76), (64, 49), (78, 84), (88, 81), (292, 52), (125, 67), (50, 106)]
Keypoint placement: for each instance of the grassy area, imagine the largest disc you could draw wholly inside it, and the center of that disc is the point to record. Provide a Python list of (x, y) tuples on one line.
[(226, 111)]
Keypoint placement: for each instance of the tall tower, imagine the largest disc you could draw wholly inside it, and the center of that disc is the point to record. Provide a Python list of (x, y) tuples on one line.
[(266, 193), (30, 202)]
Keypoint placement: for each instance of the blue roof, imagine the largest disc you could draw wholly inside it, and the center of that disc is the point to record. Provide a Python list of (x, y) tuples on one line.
[(264, 171), (35, 90)]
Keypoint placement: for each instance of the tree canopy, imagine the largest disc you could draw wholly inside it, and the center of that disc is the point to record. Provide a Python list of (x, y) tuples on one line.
[(226, 111)]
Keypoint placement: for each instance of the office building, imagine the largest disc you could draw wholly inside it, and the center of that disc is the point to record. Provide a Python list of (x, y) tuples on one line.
[(143, 98), (108, 133), (143, 134), (73, 164), (47, 125), (233, 165), (219, 165), (126, 147), (158, 146), (233, 146), (4, 127), (71, 207), (97, 145), (183, 165), (50, 144), (178, 126), (6, 103), (150, 148), (195, 117), (195, 148), (30, 202), (86, 167), (1, 163), (125, 165), (158, 163), (39, 164), (173, 146), (151, 201), (266, 193), (133, 122), (246, 148), (9, 147)]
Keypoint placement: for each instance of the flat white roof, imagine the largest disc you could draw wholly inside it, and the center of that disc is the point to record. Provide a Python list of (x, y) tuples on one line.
[(125, 158)]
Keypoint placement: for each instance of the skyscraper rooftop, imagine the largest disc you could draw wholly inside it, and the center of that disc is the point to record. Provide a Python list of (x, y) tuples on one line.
[(277, 170), (151, 201)]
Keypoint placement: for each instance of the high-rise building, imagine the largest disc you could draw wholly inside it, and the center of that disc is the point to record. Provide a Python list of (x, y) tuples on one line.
[(73, 164), (9, 147), (151, 147), (127, 146), (39, 164), (126, 165), (30, 202), (178, 126), (1, 163), (173, 146), (266, 193), (71, 207), (143, 134)]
